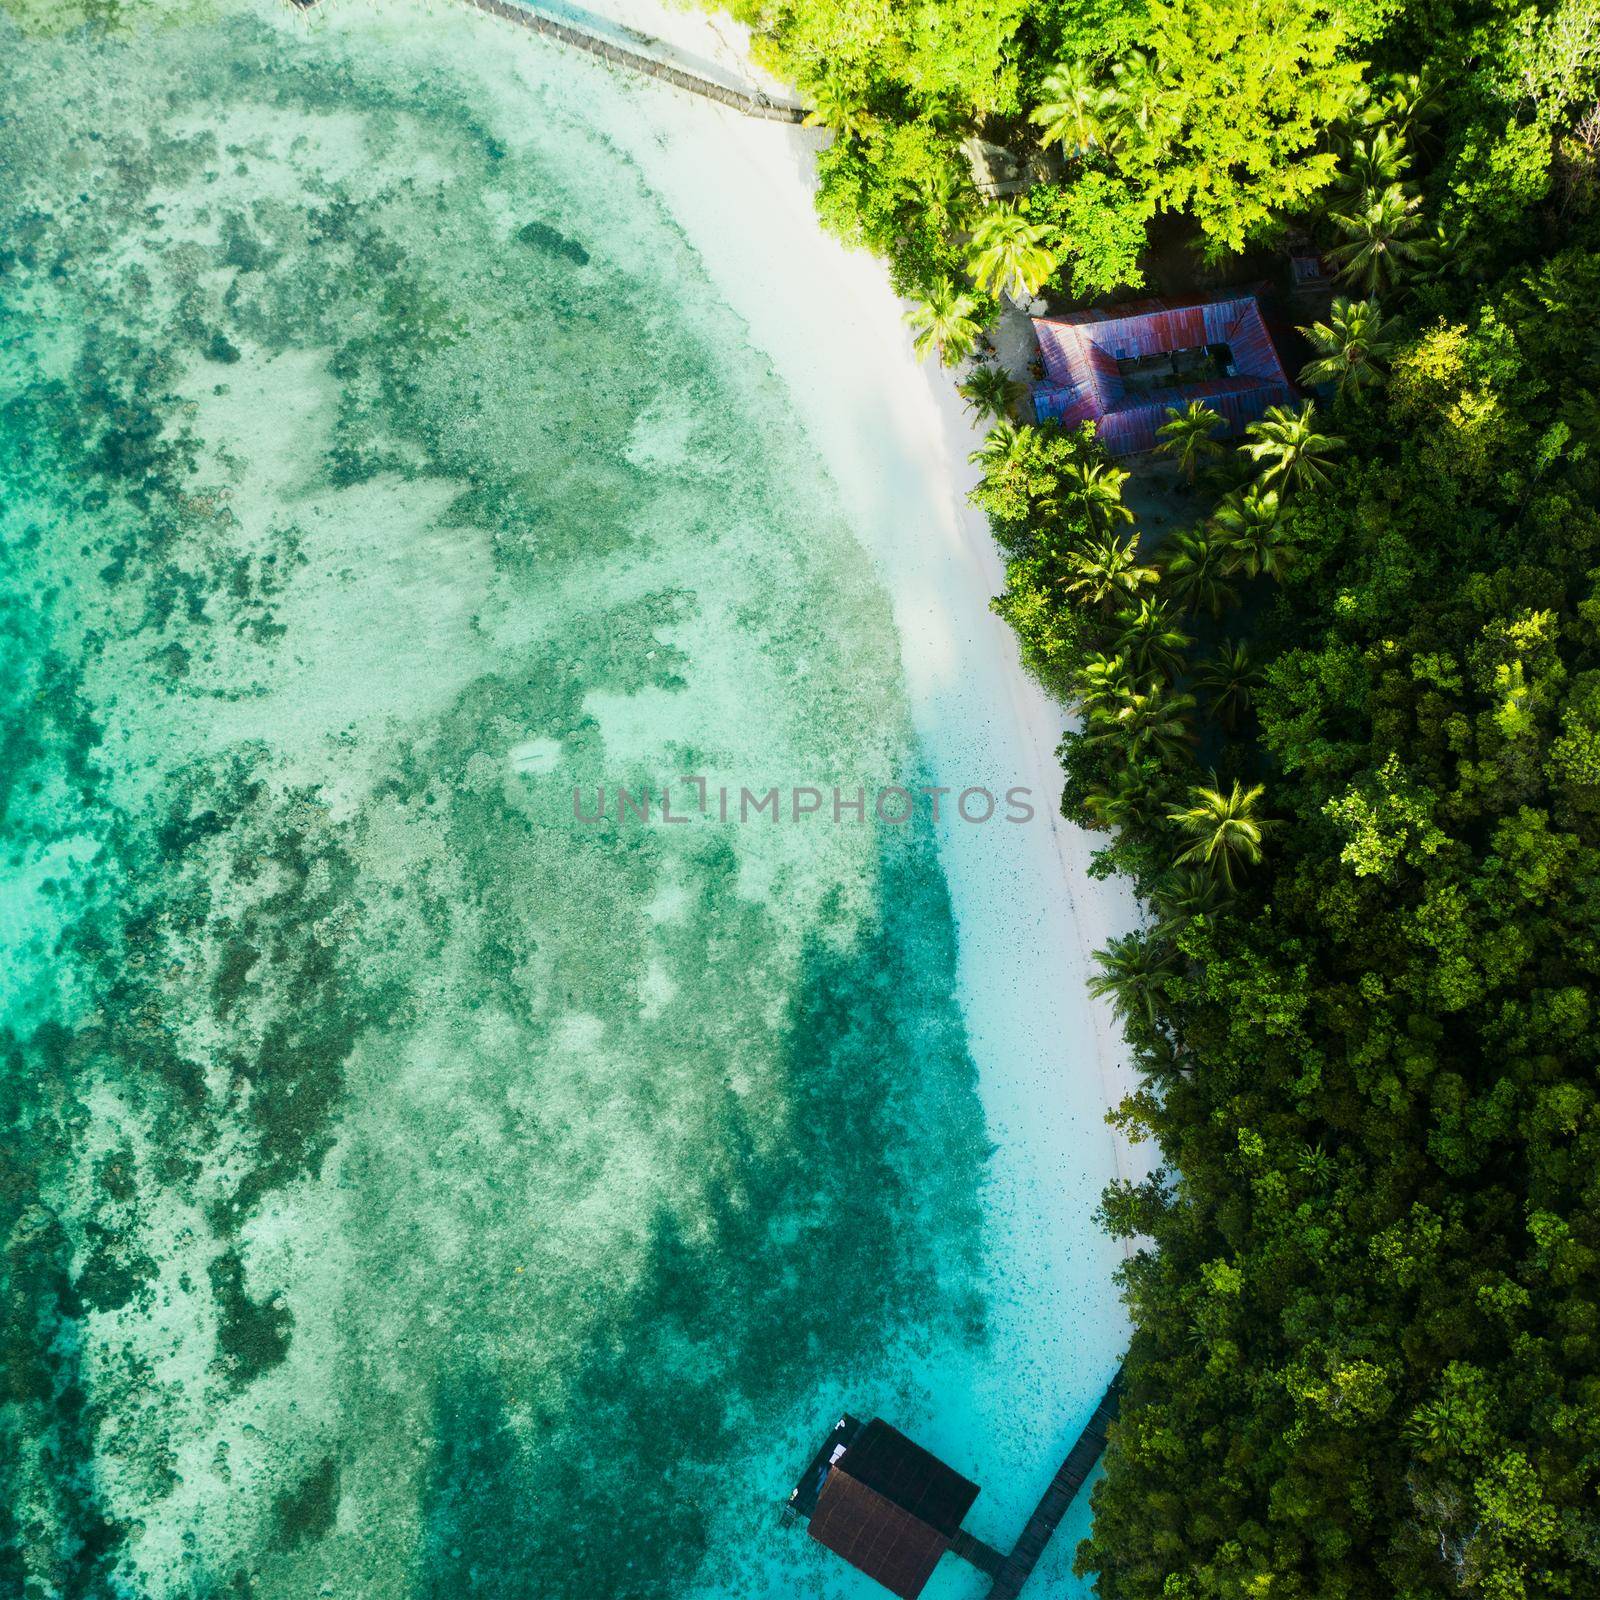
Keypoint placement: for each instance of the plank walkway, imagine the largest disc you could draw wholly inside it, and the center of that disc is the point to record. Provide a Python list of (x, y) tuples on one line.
[(976, 1553), (752, 105), (1063, 1488)]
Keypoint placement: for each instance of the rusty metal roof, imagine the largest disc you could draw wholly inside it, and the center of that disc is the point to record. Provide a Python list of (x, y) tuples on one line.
[(1083, 383)]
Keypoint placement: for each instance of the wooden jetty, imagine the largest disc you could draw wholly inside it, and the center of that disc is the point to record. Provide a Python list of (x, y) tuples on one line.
[(751, 104), (1069, 1479), (891, 1509), (971, 1549)]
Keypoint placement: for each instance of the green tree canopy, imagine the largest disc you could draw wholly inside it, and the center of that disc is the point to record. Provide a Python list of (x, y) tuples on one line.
[(1246, 92)]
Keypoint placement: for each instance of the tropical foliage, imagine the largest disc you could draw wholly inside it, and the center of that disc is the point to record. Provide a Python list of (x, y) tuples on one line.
[(1011, 255), (990, 391), (1190, 436), (1344, 735), (1353, 346), (944, 324)]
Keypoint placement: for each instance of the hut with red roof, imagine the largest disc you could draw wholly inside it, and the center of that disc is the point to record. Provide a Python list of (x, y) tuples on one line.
[(1123, 367)]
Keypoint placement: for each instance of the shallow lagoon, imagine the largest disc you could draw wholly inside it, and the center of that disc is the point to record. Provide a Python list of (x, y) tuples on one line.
[(410, 1190)]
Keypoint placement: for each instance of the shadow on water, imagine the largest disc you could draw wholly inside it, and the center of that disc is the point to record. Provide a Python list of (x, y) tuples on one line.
[(859, 1225), (479, 1524)]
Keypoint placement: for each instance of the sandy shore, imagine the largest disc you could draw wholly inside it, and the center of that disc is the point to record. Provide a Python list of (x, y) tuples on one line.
[(1100, 908), (881, 417)]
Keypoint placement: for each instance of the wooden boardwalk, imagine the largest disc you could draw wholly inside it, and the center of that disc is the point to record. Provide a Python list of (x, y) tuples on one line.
[(977, 1554), (752, 105), (1052, 1508)]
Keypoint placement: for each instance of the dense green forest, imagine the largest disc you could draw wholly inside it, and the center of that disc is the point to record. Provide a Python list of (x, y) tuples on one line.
[(1342, 730)]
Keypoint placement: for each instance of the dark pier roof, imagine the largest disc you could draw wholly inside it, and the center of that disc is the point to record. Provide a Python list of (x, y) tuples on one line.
[(885, 1504), (804, 1499)]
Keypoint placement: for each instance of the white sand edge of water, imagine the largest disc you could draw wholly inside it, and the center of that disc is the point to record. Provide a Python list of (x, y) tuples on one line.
[(865, 321)]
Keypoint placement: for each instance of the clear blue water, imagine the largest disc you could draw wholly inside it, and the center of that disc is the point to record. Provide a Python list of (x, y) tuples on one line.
[(410, 1190)]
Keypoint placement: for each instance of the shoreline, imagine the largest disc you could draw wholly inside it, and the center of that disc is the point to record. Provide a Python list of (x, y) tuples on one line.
[(1101, 909), (1098, 909)]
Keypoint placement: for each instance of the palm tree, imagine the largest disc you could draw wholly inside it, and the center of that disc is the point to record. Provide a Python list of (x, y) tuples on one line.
[(843, 114), (1003, 445), (1130, 805), (1190, 436), (1294, 453), (944, 322), (1134, 971), (1379, 249), (1009, 254), (945, 194), (1071, 105), (1150, 640), (1251, 528), (1229, 679), (1137, 100), (1152, 721), (1161, 1057), (1374, 164), (1186, 894), (990, 392), (1350, 346), (1223, 828), (1410, 105), (1196, 572), (1095, 488), (1103, 683), (1107, 572)]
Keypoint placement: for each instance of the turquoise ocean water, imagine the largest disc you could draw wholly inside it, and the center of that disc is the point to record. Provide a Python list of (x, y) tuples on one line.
[(408, 1191)]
